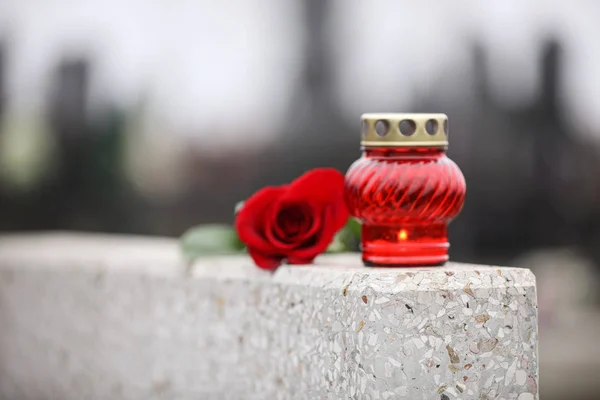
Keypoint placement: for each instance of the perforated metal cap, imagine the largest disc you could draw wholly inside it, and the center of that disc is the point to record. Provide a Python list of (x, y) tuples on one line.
[(404, 130)]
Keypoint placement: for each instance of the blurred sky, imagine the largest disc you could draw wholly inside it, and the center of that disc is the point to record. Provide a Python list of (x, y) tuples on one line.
[(200, 64)]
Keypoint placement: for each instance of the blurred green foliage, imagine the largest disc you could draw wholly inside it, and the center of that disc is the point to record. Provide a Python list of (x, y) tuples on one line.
[(211, 239), (347, 239)]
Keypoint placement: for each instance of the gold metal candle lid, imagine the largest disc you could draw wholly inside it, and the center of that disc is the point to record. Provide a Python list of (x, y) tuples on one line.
[(407, 130)]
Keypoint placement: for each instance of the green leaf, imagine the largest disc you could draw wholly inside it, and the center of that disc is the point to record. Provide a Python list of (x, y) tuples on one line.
[(337, 244), (347, 239), (354, 227), (210, 239)]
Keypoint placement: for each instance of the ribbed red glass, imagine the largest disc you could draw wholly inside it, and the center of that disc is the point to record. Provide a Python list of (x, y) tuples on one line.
[(405, 197)]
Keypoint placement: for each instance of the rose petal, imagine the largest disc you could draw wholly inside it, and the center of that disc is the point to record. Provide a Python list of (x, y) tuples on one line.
[(317, 220), (265, 261), (251, 219), (322, 239), (294, 220), (341, 214), (277, 224), (320, 186), (270, 237), (276, 240), (300, 261)]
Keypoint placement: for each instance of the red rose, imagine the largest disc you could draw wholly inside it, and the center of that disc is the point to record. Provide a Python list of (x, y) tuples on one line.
[(295, 222)]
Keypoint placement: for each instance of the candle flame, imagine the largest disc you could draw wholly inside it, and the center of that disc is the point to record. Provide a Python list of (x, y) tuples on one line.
[(402, 235)]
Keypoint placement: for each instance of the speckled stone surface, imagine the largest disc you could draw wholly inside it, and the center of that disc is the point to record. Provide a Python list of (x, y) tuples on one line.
[(94, 317)]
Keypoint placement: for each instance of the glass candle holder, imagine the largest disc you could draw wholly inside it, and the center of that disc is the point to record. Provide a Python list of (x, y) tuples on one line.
[(404, 189)]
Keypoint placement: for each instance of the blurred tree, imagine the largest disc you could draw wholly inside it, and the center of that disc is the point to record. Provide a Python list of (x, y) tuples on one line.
[(317, 134), (85, 190), (2, 81)]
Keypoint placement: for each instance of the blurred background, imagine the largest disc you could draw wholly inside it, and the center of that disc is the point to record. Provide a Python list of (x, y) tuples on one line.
[(148, 117)]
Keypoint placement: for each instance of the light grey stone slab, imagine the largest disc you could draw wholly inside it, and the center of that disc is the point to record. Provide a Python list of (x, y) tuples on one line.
[(97, 317)]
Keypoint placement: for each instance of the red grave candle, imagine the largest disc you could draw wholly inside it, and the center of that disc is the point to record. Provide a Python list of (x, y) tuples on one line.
[(404, 189)]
